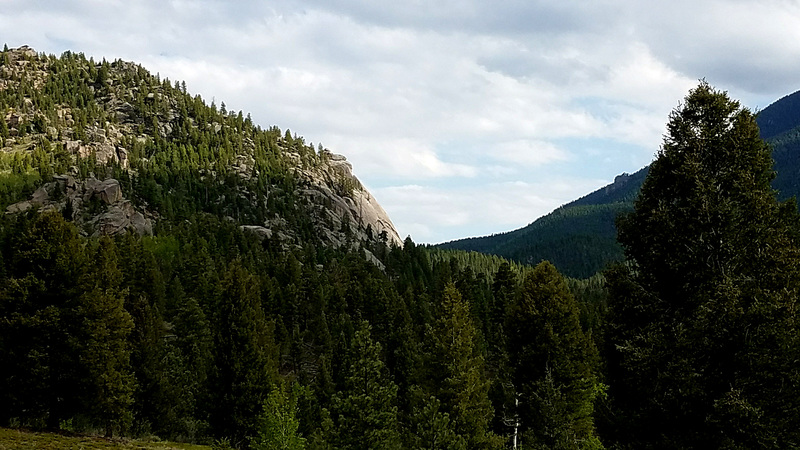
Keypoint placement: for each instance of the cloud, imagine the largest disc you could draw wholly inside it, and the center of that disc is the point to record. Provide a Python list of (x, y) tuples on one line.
[(528, 153), (746, 47), (398, 159), (437, 214)]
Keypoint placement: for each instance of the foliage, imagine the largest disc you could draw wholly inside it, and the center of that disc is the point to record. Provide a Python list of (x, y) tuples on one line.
[(433, 429), (277, 425), (245, 356), (104, 350), (456, 374), (703, 333), (553, 364), (364, 413), (193, 333)]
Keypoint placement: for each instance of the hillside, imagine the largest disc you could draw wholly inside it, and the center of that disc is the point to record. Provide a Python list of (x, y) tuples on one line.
[(171, 269), (70, 117), (580, 237)]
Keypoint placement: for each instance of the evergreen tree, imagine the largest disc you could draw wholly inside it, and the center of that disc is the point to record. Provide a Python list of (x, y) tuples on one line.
[(503, 290), (245, 359), (103, 348), (457, 373), (364, 412), (433, 429), (553, 364), (501, 392), (704, 339), (194, 343), (39, 311), (3, 128)]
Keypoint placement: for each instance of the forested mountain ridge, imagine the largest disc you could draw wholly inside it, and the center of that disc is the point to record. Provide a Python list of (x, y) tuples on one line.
[(117, 113), (580, 237), (780, 126), (168, 268)]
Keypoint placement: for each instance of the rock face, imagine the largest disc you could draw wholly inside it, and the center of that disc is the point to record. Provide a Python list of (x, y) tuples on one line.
[(97, 207), (344, 212), (343, 204)]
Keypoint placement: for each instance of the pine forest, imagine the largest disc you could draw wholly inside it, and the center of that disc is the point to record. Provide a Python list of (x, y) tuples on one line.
[(170, 269)]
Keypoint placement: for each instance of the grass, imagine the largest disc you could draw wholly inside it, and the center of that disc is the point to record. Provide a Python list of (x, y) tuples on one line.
[(23, 439)]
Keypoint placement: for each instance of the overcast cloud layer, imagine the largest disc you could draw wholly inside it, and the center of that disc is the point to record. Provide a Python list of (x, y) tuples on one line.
[(463, 118)]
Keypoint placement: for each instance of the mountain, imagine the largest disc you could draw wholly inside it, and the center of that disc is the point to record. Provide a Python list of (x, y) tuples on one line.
[(170, 269), (780, 126), (579, 238), (64, 112)]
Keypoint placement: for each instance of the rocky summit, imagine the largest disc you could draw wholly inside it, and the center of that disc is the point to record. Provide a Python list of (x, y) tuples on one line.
[(109, 130)]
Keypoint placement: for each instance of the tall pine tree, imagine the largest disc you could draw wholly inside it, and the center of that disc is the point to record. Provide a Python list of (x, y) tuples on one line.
[(245, 357), (39, 321), (553, 364), (704, 338), (364, 412), (103, 344), (457, 374)]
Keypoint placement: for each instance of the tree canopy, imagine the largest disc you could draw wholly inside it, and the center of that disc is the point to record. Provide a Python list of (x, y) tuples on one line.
[(703, 332)]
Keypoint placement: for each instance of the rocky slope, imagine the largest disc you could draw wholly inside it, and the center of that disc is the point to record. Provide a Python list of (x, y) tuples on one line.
[(117, 114), (98, 207), (340, 199)]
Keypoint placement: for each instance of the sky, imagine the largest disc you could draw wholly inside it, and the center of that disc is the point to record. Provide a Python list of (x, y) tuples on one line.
[(463, 118)]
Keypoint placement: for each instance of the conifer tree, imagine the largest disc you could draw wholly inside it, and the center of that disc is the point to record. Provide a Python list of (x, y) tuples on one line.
[(433, 429), (457, 372), (364, 412), (39, 311), (503, 289), (553, 364), (3, 128), (194, 343), (245, 359), (501, 392), (704, 338), (103, 342)]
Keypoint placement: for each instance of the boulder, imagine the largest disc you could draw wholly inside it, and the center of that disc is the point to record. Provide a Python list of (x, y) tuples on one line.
[(19, 207), (105, 152), (108, 191), (261, 232), (72, 146), (113, 221), (67, 182), (40, 196), (140, 224)]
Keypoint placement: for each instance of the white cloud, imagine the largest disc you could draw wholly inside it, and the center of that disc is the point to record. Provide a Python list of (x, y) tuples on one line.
[(396, 159), (435, 214), (752, 48), (528, 153)]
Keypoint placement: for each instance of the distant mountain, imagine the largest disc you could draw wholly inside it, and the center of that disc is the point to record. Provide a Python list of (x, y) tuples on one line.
[(580, 237), (780, 126)]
